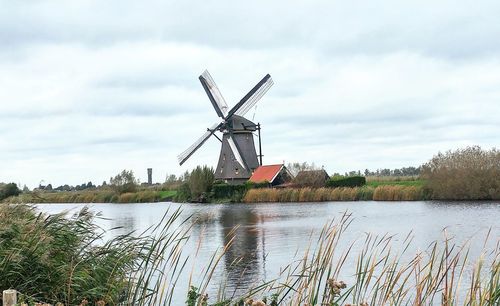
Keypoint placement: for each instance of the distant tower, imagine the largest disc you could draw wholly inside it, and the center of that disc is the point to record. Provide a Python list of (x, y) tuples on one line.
[(150, 176)]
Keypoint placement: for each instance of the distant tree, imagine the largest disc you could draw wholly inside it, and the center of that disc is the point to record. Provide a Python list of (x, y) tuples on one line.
[(8, 190), (171, 179), (465, 174), (201, 181), (385, 172), (185, 177), (48, 187), (297, 167), (125, 181), (196, 186)]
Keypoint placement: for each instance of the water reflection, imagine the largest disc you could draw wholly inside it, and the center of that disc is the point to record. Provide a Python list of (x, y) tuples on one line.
[(123, 225), (243, 261)]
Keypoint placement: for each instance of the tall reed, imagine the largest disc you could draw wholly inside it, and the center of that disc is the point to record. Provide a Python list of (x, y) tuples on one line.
[(380, 193), (443, 274)]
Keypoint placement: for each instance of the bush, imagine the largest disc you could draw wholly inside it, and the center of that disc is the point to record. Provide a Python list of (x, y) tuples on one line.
[(8, 190), (226, 191), (464, 174), (351, 181), (183, 194)]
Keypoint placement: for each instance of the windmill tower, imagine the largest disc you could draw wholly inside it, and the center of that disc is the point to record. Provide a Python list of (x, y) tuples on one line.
[(237, 158)]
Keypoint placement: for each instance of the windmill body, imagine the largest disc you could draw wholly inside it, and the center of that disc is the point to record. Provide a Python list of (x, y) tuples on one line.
[(238, 157), (239, 139)]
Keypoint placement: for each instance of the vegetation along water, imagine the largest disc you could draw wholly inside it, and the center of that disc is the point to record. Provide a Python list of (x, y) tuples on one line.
[(465, 174)]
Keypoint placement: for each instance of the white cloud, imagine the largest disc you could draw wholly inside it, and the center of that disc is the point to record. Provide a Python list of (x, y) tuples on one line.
[(89, 88)]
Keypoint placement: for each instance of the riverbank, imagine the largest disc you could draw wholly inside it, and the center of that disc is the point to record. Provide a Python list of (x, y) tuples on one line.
[(93, 196), (365, 193)]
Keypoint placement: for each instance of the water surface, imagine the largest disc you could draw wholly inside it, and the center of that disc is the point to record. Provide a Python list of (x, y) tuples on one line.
[(270, 236)]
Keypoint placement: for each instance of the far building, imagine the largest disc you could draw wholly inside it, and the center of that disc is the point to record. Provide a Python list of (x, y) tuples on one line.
[(150, 176), (311, 178), (275, 175)]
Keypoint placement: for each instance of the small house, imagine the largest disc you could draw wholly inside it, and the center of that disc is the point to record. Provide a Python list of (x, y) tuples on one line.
[(273, 174), (311, 178)]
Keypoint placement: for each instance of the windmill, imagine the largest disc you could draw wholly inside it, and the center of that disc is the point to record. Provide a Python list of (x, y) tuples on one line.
[(238, 158)]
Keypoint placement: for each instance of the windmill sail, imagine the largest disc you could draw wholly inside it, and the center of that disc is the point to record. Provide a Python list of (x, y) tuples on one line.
[(197, 144), (237, 157), (252, 97), (214, 94), (255, 98)]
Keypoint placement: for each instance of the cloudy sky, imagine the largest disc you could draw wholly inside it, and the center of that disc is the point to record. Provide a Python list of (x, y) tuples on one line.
[(88, 88)]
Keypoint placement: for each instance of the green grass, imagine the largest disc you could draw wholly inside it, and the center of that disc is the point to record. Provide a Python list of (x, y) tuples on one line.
[(167, 194), (415, 183), (93, 196)]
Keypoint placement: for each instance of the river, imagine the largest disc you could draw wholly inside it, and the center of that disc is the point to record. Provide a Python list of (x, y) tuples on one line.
[(271, 235)]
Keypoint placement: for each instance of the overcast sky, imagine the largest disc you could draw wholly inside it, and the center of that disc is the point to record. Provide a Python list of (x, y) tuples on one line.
[(88, 88)]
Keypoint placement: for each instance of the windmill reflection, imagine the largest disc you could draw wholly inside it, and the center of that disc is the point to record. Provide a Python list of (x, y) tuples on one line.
[(245, 260)]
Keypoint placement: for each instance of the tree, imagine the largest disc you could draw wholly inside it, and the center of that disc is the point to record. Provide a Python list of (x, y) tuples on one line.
[(201, 181), (8, 190), (124, 182), (170, 179), (296, 167)]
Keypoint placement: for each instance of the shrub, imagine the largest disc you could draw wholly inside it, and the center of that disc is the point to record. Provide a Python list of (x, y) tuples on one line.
[(351, 181), (8, 190), (464, 174), (183, 194), (232, 192), (127, 197)]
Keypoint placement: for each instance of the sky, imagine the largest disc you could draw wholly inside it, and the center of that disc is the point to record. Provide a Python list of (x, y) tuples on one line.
[(89, 88)]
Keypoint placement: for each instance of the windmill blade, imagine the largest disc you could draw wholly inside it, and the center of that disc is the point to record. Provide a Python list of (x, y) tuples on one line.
[(198, 143), (213, 94), (236, 152), (252, 97)]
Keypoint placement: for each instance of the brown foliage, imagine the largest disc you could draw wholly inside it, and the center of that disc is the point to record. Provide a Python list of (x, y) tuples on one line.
[(381, 193), (464, 174)]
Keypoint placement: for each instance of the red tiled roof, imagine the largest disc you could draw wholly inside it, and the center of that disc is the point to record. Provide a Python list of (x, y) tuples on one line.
[(265, 173)]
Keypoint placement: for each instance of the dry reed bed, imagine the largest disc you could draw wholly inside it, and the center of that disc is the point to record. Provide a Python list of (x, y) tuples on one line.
[(101, 196), (380, 193)]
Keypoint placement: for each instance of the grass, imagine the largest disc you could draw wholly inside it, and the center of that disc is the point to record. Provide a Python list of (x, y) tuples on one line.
[(167, 194), (52, 258), (94, 196)]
